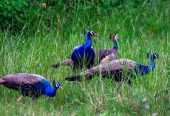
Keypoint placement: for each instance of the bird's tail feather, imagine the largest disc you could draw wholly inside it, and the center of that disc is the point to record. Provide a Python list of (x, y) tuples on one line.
[(56, 65), (1, 81), (62, 63), (74, 78)]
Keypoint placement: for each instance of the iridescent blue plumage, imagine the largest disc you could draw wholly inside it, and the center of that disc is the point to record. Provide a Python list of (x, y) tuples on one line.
[(115, 45), (102, 54), (84, 54), (144, 69), (32, 85), (45, 87)]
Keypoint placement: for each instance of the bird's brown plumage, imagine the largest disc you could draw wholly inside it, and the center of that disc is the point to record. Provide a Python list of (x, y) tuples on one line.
[(15, 80), (115, 67)]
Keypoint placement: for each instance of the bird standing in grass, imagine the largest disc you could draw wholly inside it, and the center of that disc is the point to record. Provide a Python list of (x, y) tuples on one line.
[(107, 55), (110, 54), (84, 54), (118, 70), (31, 85)]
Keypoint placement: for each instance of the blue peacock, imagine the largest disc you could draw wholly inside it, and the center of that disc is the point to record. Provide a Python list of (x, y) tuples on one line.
[(119, 69), (108, 54), (31, 85), (84, 54)]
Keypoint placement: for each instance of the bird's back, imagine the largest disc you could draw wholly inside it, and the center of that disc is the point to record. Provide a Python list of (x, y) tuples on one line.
[(21, 79), (78, 52), (103, 53)]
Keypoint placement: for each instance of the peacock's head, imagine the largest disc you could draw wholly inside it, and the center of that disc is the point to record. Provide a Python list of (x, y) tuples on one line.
[(57, 85), (114, 37), (153, 55), (90, 33)]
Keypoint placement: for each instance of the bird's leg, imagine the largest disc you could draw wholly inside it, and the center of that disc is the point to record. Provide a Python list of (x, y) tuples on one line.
[(20, 98), (129, 82), (116, 89)]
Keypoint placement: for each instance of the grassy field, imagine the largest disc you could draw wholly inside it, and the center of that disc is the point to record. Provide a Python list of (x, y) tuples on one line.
[(143, 29)]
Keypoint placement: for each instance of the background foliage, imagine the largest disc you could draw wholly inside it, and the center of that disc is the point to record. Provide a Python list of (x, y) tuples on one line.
[(37, 33)]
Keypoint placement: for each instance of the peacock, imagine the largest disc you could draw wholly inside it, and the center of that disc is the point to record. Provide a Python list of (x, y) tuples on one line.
[(32, 85), (110, 54), (107, 55), (84, 54), (118, 70)]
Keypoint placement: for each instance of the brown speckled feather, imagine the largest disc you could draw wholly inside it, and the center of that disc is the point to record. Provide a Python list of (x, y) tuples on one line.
[(104, 53), (15, 80), (113, 67)]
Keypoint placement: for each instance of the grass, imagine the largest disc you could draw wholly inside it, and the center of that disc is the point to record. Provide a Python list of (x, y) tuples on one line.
[(142, 29)]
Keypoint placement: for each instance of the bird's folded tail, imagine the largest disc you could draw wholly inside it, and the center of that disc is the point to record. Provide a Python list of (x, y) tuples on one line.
[(74, 78), (56, 65), (63, 63), (1, 81)]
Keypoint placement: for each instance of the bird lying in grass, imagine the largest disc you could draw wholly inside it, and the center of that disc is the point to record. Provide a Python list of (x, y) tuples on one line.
[(31, 85), (118, 70), (109, 54)]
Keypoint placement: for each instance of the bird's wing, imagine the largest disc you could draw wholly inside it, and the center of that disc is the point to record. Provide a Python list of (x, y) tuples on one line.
[(104, 53), (1, 81), (108, 58), (76, 47), (122, 64), (22, 78)]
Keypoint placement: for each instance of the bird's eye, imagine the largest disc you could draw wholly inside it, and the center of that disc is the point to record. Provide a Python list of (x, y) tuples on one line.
[(156, 55)]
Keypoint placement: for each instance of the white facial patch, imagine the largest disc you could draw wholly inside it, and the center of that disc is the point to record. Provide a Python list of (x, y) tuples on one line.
[(92, 33), (116, 36), (76, 47), (156, 55)]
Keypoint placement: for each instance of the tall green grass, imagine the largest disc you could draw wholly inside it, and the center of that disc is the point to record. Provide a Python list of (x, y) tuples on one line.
[(142, 29)]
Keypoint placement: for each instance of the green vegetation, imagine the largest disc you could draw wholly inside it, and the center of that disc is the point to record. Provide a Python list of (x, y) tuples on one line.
[(49, 33)]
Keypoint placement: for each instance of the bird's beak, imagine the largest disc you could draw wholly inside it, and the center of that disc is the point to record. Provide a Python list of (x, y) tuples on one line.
[(95, 35)]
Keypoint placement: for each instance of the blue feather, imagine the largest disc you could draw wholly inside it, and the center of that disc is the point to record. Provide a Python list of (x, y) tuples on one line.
[(32, 85), (115, 45), (84, 53), (145, 69), (44, 87)]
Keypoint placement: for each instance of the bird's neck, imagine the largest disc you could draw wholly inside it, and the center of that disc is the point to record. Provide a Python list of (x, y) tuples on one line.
[(88, 42), (49, 90), (144, 69), (115, 45), (152, 64)]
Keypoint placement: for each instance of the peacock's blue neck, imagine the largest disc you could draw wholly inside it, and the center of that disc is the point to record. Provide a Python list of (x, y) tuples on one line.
[(152, 64), (115, 45), (48, 89), (144, 69), (88, 42), (51, 92)]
